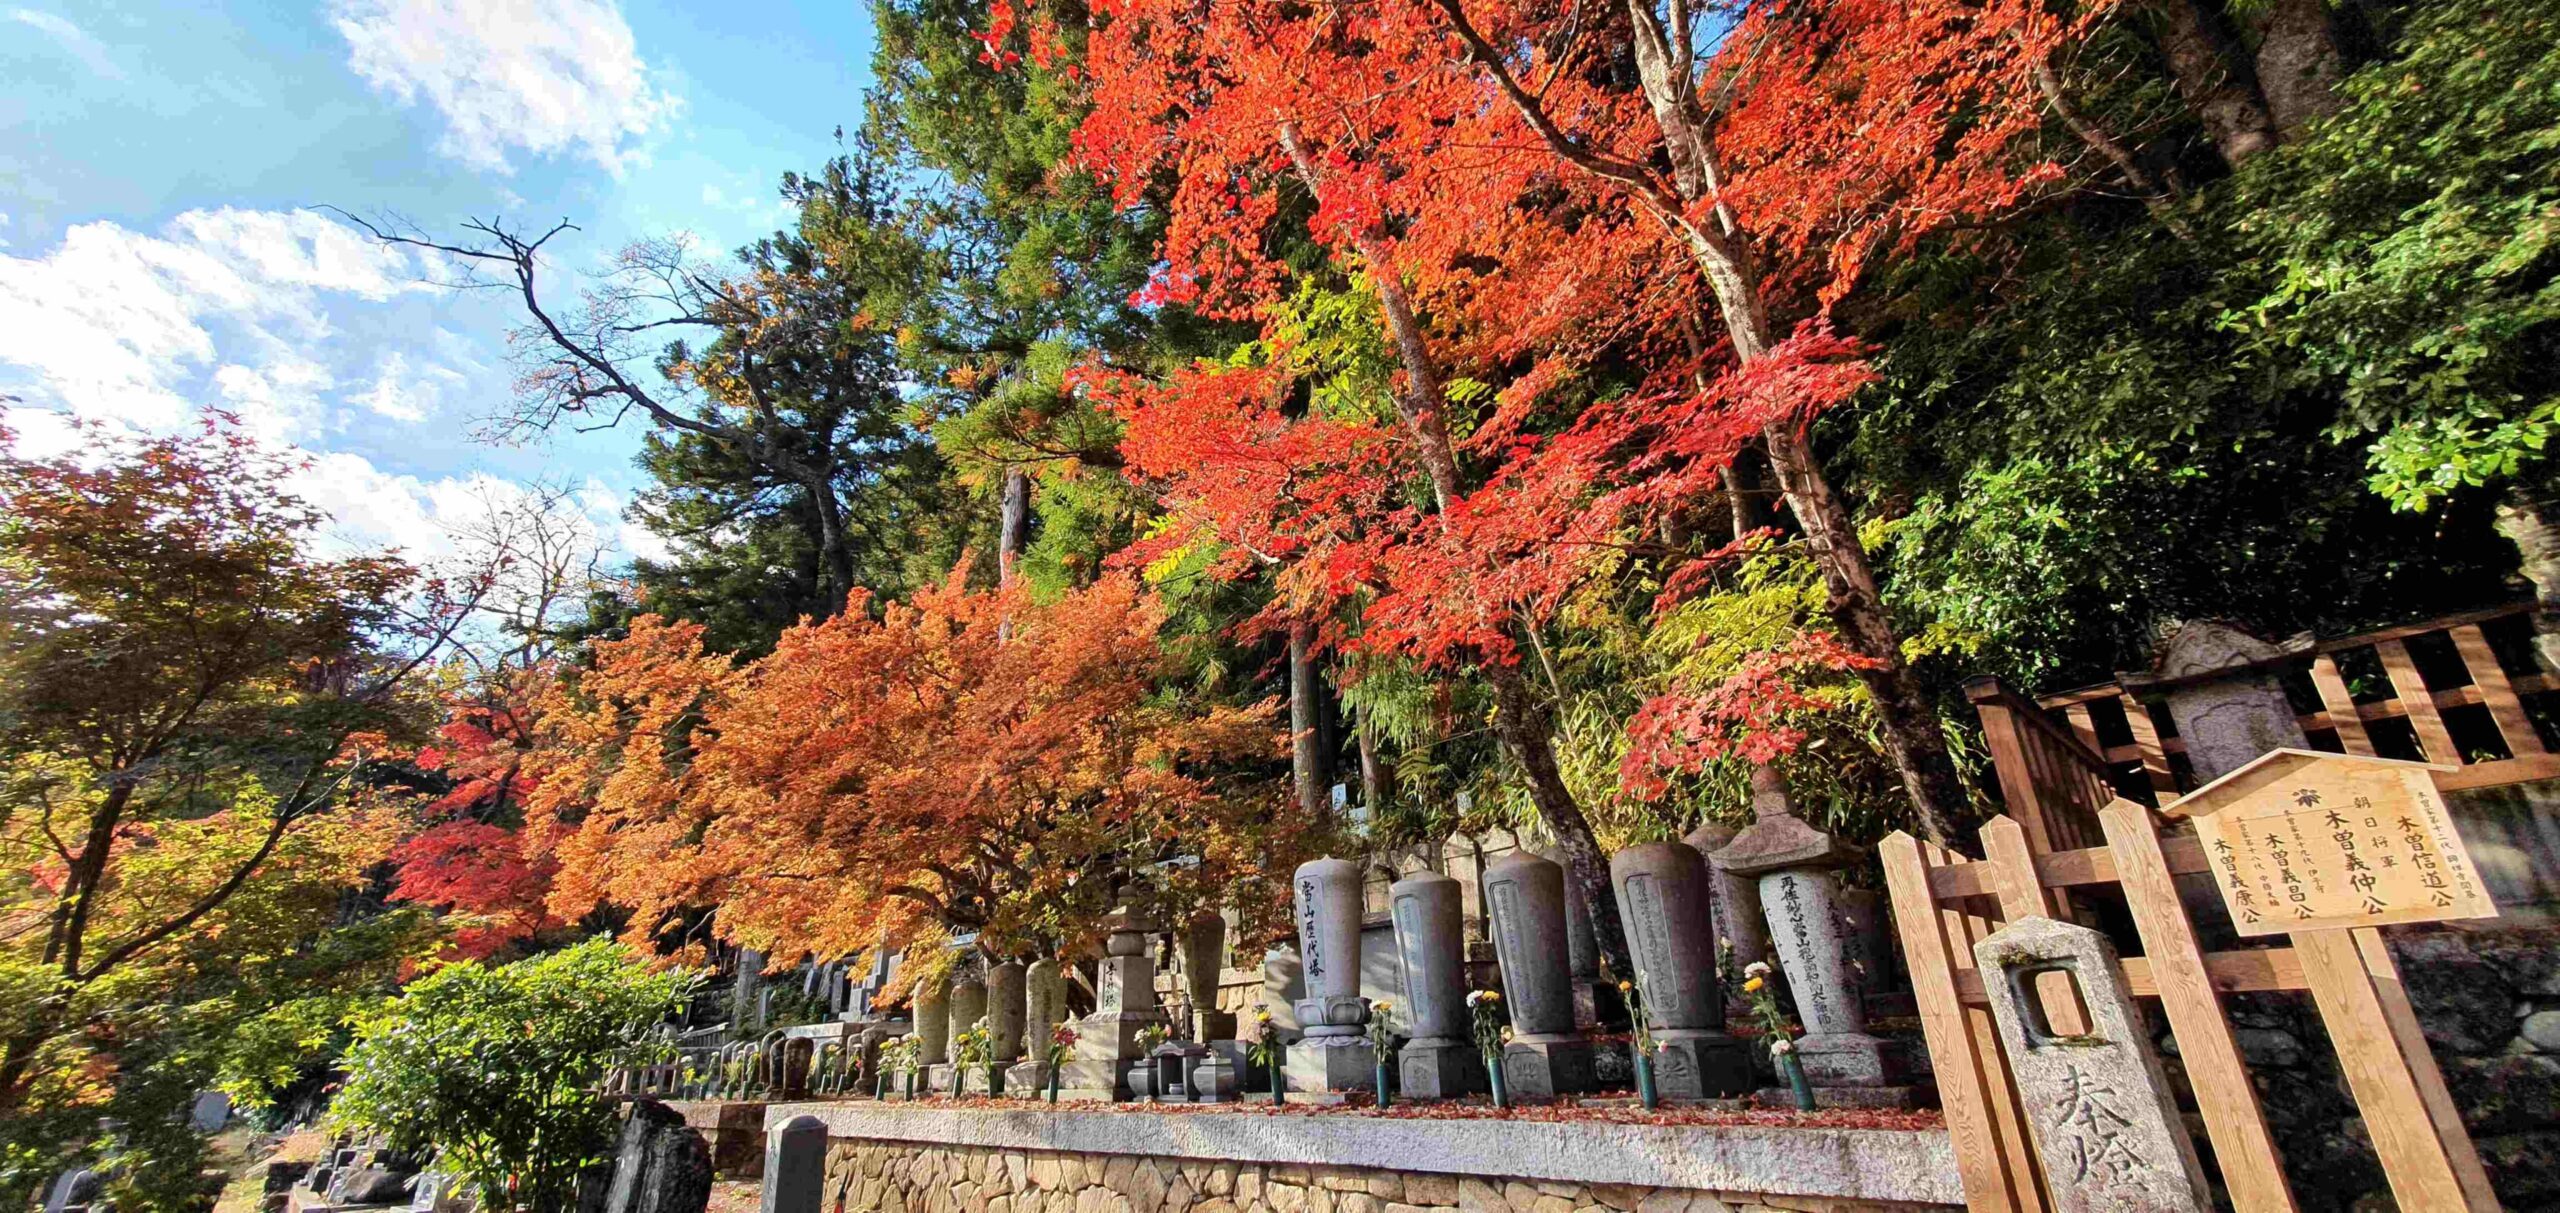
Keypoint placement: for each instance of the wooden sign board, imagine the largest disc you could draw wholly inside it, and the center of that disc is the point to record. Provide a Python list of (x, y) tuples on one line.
[(2307, 841)]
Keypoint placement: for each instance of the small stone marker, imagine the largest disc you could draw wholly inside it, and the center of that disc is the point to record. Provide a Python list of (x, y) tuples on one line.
[(795, 1166), (72, 1189), (1663, 898), (933, 1021), (1006, 1008), (2306, 841), (2105, 1123), (1334, 1055), (1441, 1061), (1524, 896), (2224, 694)]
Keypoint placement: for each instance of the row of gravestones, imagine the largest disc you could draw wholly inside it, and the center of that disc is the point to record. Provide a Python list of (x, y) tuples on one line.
[(659, 1165), (1676, 907)]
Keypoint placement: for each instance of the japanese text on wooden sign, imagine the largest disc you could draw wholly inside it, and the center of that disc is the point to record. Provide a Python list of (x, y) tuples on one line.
[(2338, 842)]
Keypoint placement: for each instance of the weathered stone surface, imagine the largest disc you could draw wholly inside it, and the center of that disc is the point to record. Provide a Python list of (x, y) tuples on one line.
[(1007, 1011), (933, 1021), (1524, 897), (1665, 900), (968, 1004), (2104, 1119), (1804, 920), (2227, 719)]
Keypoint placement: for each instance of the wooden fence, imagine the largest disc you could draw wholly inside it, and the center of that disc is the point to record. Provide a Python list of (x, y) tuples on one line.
[(2451, 690), (1945, 903)]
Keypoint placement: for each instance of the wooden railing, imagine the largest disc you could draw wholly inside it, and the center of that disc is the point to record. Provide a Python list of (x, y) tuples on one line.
[(2053, 782), (2405, 697)]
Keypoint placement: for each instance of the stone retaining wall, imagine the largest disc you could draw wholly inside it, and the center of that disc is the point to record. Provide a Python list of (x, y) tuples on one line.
[(908, 1159)]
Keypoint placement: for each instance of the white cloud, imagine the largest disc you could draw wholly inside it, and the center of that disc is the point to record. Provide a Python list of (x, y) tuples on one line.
[(546, 77), (73, 40), (223, 307)]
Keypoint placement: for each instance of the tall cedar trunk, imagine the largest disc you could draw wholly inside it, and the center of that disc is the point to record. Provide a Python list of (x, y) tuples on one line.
[(1523, 724), (2298, 63), (1309, 761), (1373, 773), (1013, 523), (2215, 78), (835, 556)]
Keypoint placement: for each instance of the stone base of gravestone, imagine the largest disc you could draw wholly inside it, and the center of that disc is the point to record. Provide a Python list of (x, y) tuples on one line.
[(1544, 1069), (1332, 1064), (1097, 1078), (937, 1079), (1850, 1059), (1029, 1079), (1444, 1070), (1709, 1065), (1826, 1099)]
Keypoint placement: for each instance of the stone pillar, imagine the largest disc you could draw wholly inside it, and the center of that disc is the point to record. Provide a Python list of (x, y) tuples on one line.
[(1334, 1054), (968, 1005), (1044, 1007), (1204, 955), (1582, 949), (1664, 896), (1793, 862), (795, 1166), (1739, 923), (1006, 1009), (1441, 1060), (2225, 695), (746, 995), (933, 1021), (1284, 983), (2099, 1105), (1524, 896), (1125, 996)]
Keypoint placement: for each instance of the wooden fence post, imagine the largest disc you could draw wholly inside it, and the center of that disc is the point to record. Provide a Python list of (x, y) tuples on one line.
[(2416, 1130), (2242, 1148)]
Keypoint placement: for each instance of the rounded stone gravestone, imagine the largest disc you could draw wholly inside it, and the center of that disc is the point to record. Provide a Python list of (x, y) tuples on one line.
[(1524, 895), (933, 1021), (1006, 1006), (1441, 1061), (1328, 906), (1664, 897)]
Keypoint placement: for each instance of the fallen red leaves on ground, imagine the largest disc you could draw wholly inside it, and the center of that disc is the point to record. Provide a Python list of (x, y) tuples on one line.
[(1560, 1112)]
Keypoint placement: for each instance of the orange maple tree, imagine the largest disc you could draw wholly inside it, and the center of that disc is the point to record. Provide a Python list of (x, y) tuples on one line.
[(969, 760)]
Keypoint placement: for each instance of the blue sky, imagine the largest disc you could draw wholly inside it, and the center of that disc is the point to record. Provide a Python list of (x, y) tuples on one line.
[(157, 254)]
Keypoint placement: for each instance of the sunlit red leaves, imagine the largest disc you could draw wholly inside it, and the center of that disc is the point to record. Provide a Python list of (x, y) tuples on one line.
[(479, 873), (1756, 714)]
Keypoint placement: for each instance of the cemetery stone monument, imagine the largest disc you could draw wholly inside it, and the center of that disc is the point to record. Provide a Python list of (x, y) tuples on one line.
[(1044, 1007), (2099, 1105), (1125, 997), (933, 1022), (2224, 694), (1801, 894), (1664, 893), (659, 1164), (1006, 1009), (967, 1006), (1441, 1061), (1204, 955), (1334, 1054), (1524, 896)]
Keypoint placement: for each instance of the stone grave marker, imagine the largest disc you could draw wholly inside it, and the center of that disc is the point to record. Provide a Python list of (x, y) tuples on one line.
[(1334, 1054), (1441, 1060), (795, 1166), (2099, 1105), (1524, 896), (1664, 894)]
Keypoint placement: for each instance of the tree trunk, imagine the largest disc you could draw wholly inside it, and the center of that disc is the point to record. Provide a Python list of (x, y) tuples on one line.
[(2298, 63), (1373, 773), (1527, 730), (1308, 760), (1013, 524), (1908, 719), (2215, 79), (66, 936), (835, 557)]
